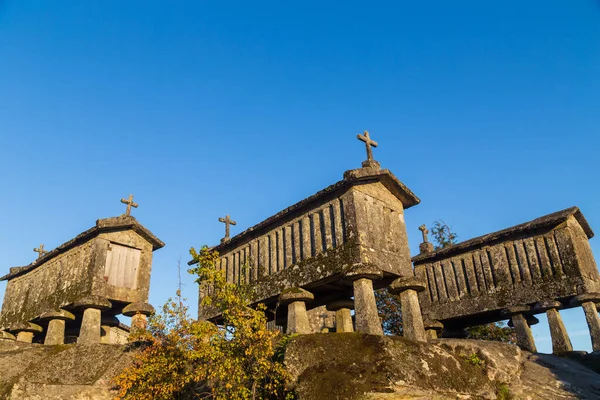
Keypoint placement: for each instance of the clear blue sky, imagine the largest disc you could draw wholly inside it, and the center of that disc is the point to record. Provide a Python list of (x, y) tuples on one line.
[(488, 111)]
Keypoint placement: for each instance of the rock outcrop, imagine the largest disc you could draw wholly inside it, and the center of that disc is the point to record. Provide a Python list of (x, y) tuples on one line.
[(329, 366)]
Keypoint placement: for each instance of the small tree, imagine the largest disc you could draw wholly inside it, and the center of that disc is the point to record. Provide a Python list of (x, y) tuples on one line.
[(185, 358)]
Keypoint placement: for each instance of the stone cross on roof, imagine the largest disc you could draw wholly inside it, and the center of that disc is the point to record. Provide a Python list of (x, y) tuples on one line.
[(227, 221), (130, 204), (40, 250), (424, 231), (369, 143)]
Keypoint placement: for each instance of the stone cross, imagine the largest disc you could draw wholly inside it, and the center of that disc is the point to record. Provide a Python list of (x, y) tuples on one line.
[(227, 221), (130, 204), (40, 250), (368, 142), (424, 231)]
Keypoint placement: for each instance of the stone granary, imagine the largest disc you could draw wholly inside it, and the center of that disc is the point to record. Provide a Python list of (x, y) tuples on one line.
[(331, 249), (541, 266), (74, 292), (324, 256)]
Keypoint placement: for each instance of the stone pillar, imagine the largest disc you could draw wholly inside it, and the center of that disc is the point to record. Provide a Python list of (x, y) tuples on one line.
[(343, 314), (297, 319), (522, 329), (106, 323), (433, 329), (412, 320), (7, 336), (25, 331), (56, 326), (365, 307), (139, 313), (92, 307), (560, 339), (588, 303)]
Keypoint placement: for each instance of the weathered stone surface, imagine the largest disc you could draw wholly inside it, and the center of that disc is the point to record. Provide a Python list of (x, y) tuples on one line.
[(55, 334), (82, 267), (58, 314), (593, 322), (7, 336), (561, 342), (90, 326), (412, 319), (297, 318), (406, 283), (433, 329), (470, 283), (320, 241), (138, 308), (523, 333), (584, 298), (295, 294), (343, 320), (97, 302), (67, 372), (390, 368), (367, 318)]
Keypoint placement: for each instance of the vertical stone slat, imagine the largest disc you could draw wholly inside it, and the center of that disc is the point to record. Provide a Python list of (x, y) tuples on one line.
[(337, 218), (544, 259), (317, 237), (288, 246), (273, 253), (500, 266), (523, 262), (253, 260), (487, 270), (471, 275), (450, 279), (440, 284), (263, 257), (429, 271), (327, 226), (460, 277), (421, 274), (566, 252), (280, 250), (481, 280), (512, 262), (553, 253), (297, 242), (534, 265), (229, 266), (306, 242)]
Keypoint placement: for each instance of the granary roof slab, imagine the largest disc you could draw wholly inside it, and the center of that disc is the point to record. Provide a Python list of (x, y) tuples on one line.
[(120, 223), (545, 222), (351, 178)]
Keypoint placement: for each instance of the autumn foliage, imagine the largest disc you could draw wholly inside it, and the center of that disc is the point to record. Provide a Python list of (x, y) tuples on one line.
[(182, 358)]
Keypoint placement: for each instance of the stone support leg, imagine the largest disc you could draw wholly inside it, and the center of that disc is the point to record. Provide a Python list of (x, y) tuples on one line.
[(90, 326), (297, 321), (297, 318), (523, 332), (367, 318), (25, 337), (593, 321), (411, 316), (560, 339), (56, 332), (139, 321), (343, 320)]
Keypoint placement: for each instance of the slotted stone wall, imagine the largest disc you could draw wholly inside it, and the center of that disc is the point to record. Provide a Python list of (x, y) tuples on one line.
[(545, 259)]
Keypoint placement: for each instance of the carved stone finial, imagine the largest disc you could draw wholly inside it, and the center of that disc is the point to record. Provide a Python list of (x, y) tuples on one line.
[(227, 221), (130, 204), (424, 231), (40, 250), (368, 143)]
